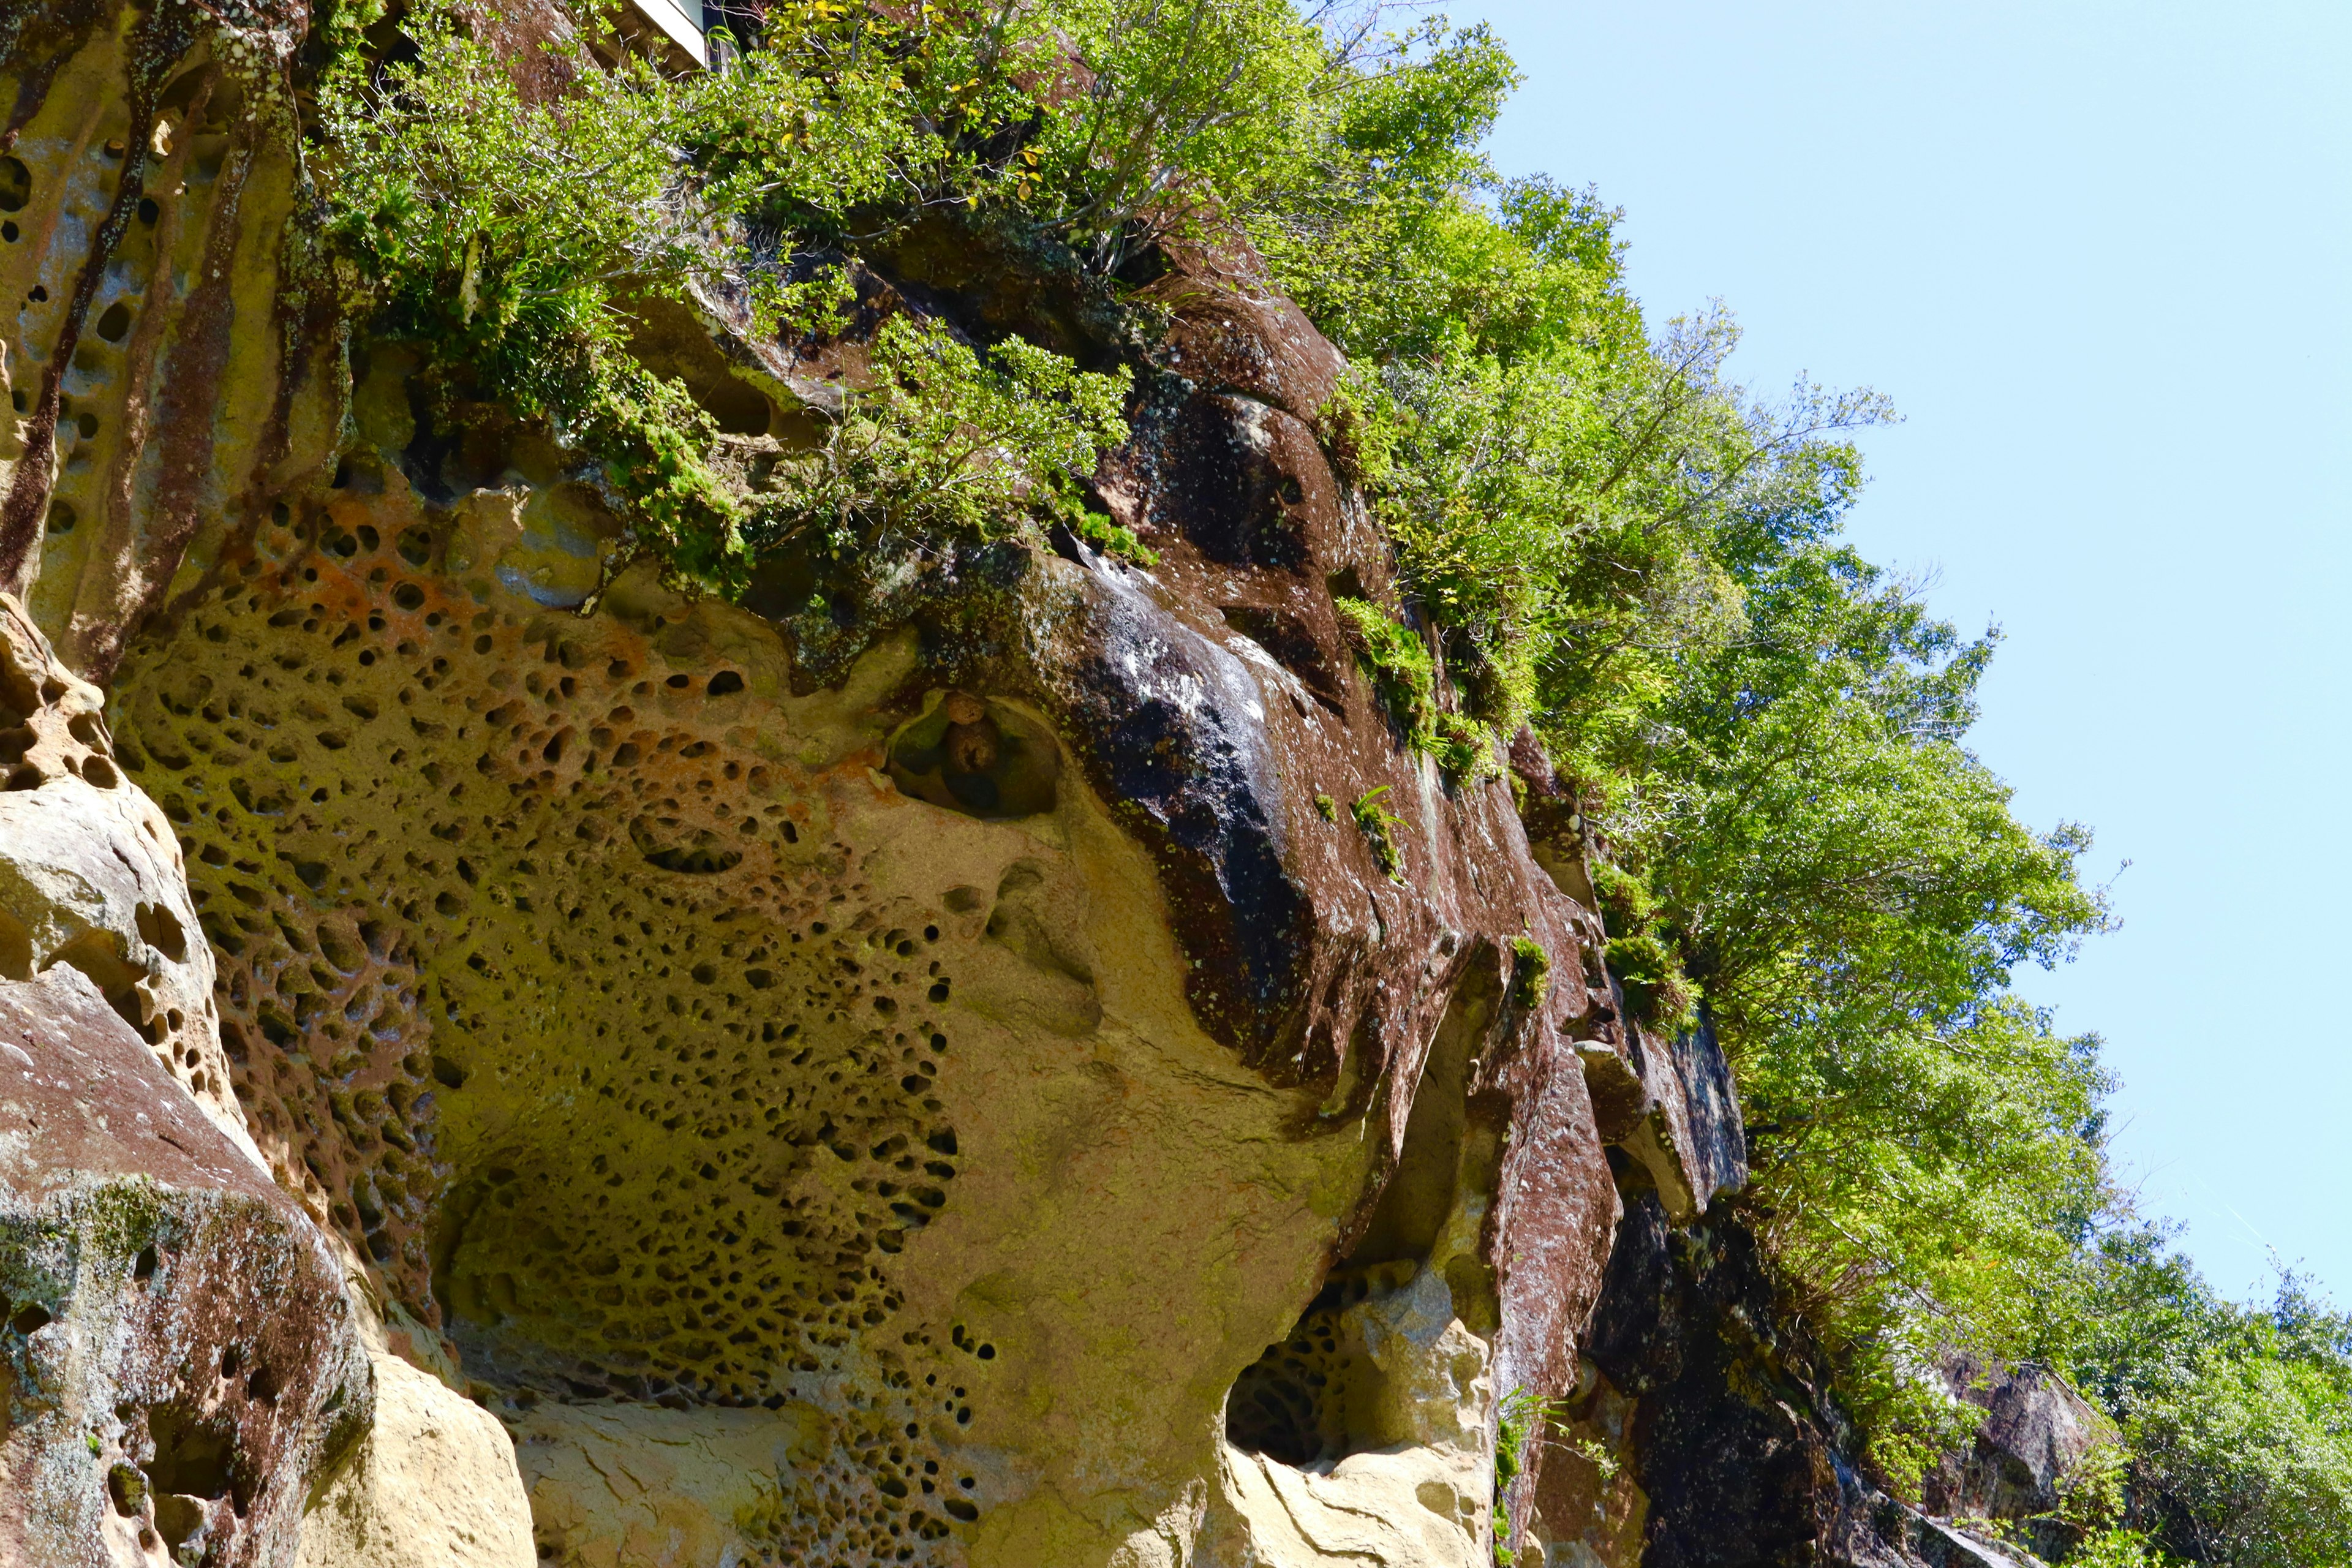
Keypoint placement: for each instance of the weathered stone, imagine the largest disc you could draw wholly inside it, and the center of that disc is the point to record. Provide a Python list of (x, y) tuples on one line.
[(166, 364), (2036, 1436), (431, 1485), (90, 875), (179, 1358), (894, 1093), (1700, 1436), (1061, 997), (1704, 1435), (1674, 1111), (1938, 1545)]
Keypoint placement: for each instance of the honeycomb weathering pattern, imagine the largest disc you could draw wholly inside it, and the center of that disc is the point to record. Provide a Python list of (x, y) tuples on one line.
[(692, 1065), (473, 867), (90, 878), (1291, 1404)]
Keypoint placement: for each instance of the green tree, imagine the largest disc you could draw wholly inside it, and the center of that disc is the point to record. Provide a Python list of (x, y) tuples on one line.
[(1847, 885), (2239, 1420)]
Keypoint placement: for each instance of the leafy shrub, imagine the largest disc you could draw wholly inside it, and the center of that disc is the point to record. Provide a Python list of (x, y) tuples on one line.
[(2117, 1549), (1401, 670), (1405, 676), (1656, 992), (944, 443), (511, 240), (1625, 901)]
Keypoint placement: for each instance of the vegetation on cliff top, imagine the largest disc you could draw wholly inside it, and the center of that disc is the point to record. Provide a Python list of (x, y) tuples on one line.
[(1601, 537)]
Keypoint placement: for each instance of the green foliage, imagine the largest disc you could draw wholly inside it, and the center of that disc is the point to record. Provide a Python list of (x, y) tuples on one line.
[(1357, 434), (1405, 675), (512, 239), (1365, 223), (1399, 664), (503, 233), (1519, 1419), (1515, 1422), (943, 443), (1464, 748), (1560, 488), (2117, 1549), (1378, 828), (1657, 992), (1327, 808), (1531, 972), (2239, 1419), (1524, 1419), (1848, 884), (1610, 541), (1186, 102), (1625, 902), (1613, 542)]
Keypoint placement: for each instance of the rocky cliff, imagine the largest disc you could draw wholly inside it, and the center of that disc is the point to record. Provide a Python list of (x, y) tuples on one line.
[(497, 1063)]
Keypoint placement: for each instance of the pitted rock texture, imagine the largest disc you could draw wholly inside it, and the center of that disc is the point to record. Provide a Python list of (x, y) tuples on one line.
[(179, 1359), (658, 1041), (90, 875), (839, 1096)]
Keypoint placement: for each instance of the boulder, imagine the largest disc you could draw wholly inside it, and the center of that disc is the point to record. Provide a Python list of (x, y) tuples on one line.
[(432, 1484), (1668, 1102), (179, 1361), (2035, 1443)]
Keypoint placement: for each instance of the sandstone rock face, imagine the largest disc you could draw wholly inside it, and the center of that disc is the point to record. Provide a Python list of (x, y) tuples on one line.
[(695, 1056), (179, 1359), (432, 1485), (1722, 1453), (927, 1084), (926, 1075)]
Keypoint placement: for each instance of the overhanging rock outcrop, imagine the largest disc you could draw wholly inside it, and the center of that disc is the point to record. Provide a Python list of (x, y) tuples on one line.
[(941, 1080)]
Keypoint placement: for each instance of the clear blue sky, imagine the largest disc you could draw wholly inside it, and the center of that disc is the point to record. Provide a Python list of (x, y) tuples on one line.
[(2101, 257)]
